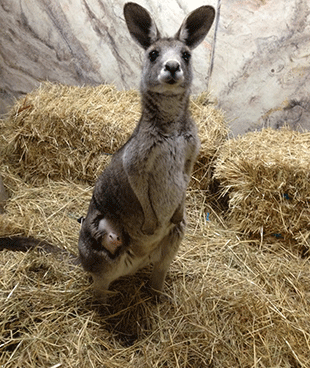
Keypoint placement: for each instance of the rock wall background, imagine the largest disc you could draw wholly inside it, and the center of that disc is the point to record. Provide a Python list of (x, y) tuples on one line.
[(261, 67)]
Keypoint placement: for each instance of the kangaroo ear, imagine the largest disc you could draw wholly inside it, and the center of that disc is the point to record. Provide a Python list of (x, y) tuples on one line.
[(140, 24), (196, 26)]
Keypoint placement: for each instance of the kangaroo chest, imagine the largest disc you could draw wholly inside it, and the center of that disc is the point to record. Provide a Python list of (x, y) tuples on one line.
[(165, 163), (161, 167)]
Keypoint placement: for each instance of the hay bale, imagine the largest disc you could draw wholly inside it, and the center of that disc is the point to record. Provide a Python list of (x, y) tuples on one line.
[(65, 132), (267, 177), (62, 132), (213, 132)]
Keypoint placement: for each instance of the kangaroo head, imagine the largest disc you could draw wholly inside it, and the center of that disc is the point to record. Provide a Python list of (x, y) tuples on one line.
[(167, 64)]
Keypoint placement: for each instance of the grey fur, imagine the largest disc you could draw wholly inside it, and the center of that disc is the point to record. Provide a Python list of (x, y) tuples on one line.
[(143, 190)]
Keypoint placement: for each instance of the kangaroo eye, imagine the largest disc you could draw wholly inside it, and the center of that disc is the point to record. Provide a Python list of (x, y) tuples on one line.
[(186, 56), (153, 55)]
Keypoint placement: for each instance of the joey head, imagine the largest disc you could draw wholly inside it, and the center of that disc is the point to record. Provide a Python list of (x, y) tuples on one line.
[(112, 235), (109, 233)]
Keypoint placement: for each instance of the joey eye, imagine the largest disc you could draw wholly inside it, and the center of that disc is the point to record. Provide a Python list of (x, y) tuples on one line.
[(153, 55), (186, 56)]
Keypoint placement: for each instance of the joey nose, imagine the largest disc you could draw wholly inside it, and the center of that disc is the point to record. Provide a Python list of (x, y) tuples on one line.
[(172, 66)]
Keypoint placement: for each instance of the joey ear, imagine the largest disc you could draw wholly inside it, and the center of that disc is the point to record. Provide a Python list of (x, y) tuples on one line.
[(140, 24), (196, 26)]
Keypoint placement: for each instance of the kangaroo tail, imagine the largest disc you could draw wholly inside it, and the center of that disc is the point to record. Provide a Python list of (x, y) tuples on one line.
[(23, 244)]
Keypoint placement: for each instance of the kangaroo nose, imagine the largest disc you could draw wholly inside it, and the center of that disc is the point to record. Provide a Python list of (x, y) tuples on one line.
[(172, 66)]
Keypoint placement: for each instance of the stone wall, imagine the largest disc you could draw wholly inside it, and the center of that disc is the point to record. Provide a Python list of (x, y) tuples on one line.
[(260, 72)]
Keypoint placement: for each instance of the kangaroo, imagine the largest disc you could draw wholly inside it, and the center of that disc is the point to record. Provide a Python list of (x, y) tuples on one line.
[(144, 186)]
